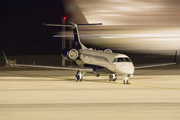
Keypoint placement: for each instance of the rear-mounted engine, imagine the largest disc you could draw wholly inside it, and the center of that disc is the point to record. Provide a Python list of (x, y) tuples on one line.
[(70, 54)]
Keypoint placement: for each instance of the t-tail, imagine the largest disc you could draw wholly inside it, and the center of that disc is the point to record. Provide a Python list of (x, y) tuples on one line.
[(78, 43)]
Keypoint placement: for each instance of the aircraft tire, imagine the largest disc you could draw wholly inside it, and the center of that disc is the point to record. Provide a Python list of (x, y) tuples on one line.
[(128, 82), (110, 77)]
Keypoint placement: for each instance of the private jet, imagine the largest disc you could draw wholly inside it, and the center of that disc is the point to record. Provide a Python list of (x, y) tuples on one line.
[(98, 62)]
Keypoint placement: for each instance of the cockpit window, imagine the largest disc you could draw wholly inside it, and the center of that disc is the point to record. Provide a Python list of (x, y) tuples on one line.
[(127, 60), (120, 60)]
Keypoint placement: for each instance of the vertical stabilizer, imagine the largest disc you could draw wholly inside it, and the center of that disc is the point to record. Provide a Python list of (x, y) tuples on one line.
[(78, 43)]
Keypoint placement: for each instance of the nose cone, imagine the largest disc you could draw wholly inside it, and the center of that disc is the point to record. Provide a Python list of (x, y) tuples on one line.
[(125, 68)]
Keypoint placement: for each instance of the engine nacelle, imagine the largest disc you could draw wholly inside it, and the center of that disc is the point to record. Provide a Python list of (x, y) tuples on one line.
[(106, 50), (70, 54)]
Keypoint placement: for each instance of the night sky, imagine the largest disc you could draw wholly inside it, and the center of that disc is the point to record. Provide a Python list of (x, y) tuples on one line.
[(22, 32)]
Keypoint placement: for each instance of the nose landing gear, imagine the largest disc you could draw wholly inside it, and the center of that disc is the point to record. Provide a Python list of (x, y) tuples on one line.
[(125, 79)]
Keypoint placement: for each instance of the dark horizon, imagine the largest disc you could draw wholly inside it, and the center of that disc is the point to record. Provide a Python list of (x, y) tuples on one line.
[(22, 32)]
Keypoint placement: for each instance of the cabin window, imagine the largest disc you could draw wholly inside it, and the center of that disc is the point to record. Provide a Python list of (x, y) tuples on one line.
[(114, 60)]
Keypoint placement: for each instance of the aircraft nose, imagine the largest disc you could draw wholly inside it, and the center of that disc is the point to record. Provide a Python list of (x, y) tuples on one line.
[(126, 68)]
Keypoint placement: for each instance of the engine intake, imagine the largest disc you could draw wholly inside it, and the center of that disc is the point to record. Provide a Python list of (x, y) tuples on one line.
[(106, 50), (70, 54)]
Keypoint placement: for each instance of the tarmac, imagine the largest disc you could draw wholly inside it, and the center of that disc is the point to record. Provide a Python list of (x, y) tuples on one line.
[(36, 94)]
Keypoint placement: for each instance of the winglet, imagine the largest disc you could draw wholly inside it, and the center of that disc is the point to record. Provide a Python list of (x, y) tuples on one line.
[(6, 58), (175, 57)]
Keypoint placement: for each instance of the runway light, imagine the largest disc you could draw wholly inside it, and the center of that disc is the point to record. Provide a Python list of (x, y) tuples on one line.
[(64, 18)]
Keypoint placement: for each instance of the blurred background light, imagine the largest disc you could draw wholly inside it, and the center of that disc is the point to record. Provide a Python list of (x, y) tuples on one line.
[(148, 27)]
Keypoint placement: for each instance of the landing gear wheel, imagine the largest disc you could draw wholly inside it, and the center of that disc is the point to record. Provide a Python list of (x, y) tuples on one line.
[(126, 82), (113, 77), (110, 77), (125, 79)]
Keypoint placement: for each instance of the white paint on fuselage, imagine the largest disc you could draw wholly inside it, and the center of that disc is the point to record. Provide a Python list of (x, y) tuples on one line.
[(124, 68), (100, 58)]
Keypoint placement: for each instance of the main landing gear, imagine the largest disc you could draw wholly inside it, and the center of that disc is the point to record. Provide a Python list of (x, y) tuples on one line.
[(125, 79), (79, 76), (113, 77)]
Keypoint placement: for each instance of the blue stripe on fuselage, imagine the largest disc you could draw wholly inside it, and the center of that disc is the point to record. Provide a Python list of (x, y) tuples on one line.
[(96, 68)]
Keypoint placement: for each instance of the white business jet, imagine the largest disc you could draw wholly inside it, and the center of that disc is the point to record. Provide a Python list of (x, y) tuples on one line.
[(102, 61)]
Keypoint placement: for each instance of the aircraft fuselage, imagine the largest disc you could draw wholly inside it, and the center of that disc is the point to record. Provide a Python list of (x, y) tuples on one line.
[(116, 63)]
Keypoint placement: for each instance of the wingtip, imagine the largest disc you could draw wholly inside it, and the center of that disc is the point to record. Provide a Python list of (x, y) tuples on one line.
[(175, 58)]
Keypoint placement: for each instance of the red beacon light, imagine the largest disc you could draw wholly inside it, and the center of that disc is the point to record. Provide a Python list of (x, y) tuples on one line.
[(64, 18)]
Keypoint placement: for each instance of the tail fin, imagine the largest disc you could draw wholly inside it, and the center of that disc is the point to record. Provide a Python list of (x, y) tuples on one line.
[(78, 43)]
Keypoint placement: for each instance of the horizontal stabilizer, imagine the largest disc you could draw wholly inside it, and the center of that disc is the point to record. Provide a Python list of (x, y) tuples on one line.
[(89, 24), (78, 43), (58, 25), (71, 24)]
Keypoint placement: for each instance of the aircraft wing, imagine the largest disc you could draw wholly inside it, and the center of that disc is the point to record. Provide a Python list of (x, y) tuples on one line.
[(48, 67), (52, 67), (156, 65), (153, 65)]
